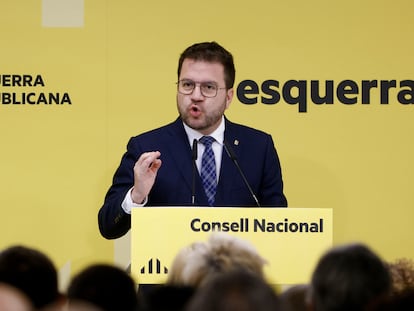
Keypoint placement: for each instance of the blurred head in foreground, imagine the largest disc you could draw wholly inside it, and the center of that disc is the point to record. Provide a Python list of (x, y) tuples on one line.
[(32, 272), (198, 262), (349, 277), (235, 290)]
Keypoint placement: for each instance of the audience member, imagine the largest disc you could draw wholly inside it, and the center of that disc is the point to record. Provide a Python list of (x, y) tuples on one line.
[(105, 286), (402, 274), (200, 261), (73, 306), (401, 301), (402, 293), (82, 306), (12, 299), (164, 297), (294, 298), (223, 273), (32, 272), (349, 277), (235, 290)]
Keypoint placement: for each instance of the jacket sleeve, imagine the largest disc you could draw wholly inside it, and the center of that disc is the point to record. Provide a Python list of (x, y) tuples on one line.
[(271, 191), (112, 220)]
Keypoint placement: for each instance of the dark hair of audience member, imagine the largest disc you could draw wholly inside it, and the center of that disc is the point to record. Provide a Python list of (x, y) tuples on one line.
[(165, 297), (401, 301), (234, 290), (32, 272), (402, 293), (349, 277), (105, 286), (294, 298)]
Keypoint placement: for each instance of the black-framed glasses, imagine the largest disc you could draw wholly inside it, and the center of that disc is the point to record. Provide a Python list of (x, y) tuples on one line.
[(207, 89)]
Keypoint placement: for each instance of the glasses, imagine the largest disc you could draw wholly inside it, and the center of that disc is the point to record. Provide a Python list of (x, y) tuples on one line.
[(207, 89)]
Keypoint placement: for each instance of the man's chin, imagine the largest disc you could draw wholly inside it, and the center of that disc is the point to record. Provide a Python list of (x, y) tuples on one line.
[(195, 123), (196, 126)]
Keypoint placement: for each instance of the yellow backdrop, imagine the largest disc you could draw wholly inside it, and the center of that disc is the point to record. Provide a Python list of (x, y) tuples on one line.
[(116, 62)]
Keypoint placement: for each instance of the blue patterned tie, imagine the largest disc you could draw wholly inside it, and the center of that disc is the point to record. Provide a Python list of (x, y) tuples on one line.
[(208, 169)]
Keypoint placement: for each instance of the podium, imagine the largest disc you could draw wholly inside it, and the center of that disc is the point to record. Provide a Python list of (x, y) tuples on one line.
[(290, 239)]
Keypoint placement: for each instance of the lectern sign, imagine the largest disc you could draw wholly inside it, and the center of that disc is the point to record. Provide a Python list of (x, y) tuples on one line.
[(290, 239)]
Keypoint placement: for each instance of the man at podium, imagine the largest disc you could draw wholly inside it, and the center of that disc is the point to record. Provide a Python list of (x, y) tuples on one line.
[(201, 158)]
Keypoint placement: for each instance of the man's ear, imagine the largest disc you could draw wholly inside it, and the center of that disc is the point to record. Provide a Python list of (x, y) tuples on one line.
[(229, 97)]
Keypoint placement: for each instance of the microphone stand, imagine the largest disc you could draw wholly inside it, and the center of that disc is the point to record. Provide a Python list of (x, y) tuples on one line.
[(233, 157), (194, 156)]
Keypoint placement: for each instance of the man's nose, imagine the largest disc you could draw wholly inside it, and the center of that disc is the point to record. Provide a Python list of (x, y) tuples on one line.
[(197, 94)]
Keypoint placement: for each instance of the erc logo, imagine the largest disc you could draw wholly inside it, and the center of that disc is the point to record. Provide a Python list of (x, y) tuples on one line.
[(153, 266)]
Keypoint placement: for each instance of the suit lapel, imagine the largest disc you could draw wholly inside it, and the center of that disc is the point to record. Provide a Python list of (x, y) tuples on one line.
[(181, 152), (228, 171)]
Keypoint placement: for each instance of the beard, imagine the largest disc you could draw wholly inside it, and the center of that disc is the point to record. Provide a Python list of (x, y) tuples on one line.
[(206, 122)]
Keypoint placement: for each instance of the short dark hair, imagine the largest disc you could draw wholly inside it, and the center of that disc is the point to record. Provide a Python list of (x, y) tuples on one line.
[(105, 286), (236, 289), (32, 272), (210, 52), (349, 277)]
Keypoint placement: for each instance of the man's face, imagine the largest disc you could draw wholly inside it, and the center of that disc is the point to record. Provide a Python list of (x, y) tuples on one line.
[(196, 110)]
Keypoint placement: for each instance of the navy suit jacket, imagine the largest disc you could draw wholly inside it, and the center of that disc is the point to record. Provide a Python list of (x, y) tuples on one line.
[(255, 154)]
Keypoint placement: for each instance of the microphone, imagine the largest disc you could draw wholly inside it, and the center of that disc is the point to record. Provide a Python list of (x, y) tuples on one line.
[(194, 156), (233, 157)]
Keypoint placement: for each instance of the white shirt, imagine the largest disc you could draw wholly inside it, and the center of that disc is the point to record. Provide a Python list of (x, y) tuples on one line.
[(192, 134)]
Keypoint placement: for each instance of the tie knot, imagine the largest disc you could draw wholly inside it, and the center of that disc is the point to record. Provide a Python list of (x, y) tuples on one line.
[(206, 140)]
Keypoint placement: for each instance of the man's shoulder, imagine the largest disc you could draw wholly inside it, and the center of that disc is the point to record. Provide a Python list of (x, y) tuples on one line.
[(160, 131), (237, 128)]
